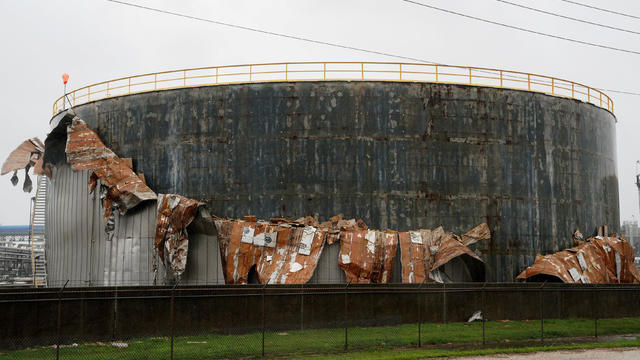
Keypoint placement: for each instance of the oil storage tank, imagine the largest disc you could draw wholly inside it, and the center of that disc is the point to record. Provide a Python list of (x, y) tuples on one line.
[(400, 146)]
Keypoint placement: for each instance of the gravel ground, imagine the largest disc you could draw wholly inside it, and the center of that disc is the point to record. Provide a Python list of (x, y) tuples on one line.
[(589, 354)]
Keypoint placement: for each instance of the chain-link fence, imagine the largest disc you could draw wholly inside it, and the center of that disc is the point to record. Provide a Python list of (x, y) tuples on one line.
[(207, 322)]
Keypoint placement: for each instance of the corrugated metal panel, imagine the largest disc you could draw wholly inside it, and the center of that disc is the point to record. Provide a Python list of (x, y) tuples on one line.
[(327, 270), (81, 252), (203, 261)]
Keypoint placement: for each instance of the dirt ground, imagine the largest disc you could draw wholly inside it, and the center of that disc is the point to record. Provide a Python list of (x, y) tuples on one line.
[(588, 354)]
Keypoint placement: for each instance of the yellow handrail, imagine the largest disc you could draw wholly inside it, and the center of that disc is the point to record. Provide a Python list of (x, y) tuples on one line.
[(332, 71)]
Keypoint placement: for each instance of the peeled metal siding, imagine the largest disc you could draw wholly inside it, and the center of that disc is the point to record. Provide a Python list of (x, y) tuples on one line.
[(203, 261), (327, 270), (79, 249)]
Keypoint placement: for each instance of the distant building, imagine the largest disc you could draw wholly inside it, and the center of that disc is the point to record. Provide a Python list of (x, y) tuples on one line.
[(631, 232), (15, 255)]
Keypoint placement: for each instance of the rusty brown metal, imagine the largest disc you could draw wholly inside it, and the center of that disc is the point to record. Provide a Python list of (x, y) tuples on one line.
[(291, 261), (171, 243), (368, 256), (280, 251), (598, 260), (85, 151), (337, 224), (237, 256), (27, 155), (424, 252), (478, 233)]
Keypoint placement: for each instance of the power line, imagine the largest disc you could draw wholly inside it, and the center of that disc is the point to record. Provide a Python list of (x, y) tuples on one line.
[(569, 17), (524, 29), (301, 38), (272, 33), (620, 92), (601, 9)]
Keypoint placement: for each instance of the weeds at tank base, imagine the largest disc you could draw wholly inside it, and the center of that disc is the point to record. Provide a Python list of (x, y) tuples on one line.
[(389, 342)]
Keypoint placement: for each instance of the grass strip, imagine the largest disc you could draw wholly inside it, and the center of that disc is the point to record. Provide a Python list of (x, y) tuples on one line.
[(393, 341)]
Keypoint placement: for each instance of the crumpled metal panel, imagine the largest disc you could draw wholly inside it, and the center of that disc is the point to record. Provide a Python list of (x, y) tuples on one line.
[(237, 257), (27, 155), (450, 246), (85, 151), (368, 256), (336, 224), (282, 252), (289, 262), (171, 243), (597, 260), (478, 233), (423, 252)]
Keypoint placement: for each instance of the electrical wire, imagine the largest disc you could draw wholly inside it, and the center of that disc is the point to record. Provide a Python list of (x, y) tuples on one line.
[(619, 91), (273, 33), (601, 9), (522, 29), (305, 39), (569, 17)]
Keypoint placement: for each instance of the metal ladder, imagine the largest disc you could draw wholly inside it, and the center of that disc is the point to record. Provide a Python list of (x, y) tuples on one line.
[(37, 233)]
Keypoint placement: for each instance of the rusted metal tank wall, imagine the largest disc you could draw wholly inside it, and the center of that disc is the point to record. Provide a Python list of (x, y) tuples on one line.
[(398, 155), (78, 248)]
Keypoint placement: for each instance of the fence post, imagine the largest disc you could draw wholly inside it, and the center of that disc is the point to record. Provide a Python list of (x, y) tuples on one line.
[(302, 308), (483, 314), (59, 319), (114, 322), (444, 303), (420, 305), (540, 292), (173, 300), (595, 312), (346, 329), (263, 317)]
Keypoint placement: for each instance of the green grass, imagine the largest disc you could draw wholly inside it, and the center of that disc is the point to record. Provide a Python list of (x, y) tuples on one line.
[(378, 342)]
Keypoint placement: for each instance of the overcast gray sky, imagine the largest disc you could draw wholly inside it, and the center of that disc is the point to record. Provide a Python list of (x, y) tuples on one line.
[(96, 40)]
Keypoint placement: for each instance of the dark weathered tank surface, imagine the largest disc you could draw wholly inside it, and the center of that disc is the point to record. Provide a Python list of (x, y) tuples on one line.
[(398, 155)]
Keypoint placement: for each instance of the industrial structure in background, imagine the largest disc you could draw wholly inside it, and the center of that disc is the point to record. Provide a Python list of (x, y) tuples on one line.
[(27, 155), (630, 228), (18, 253), (146, 175), (631, 232)]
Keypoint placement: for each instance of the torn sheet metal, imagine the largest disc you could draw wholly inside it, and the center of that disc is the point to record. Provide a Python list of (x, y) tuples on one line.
[(368, 256), (449, 247), (280, 251), (336, 224), (598, 260), (237, 256), (288, 262), (171, 243), (85, 151), (424, 254), (478, 233), (308, 234), (27, 155)]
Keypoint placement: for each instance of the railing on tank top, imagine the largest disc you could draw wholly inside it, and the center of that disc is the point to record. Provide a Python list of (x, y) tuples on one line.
[(334, 71)]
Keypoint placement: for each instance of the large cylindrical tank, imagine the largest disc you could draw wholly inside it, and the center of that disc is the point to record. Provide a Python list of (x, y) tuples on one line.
[(399, 155)]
